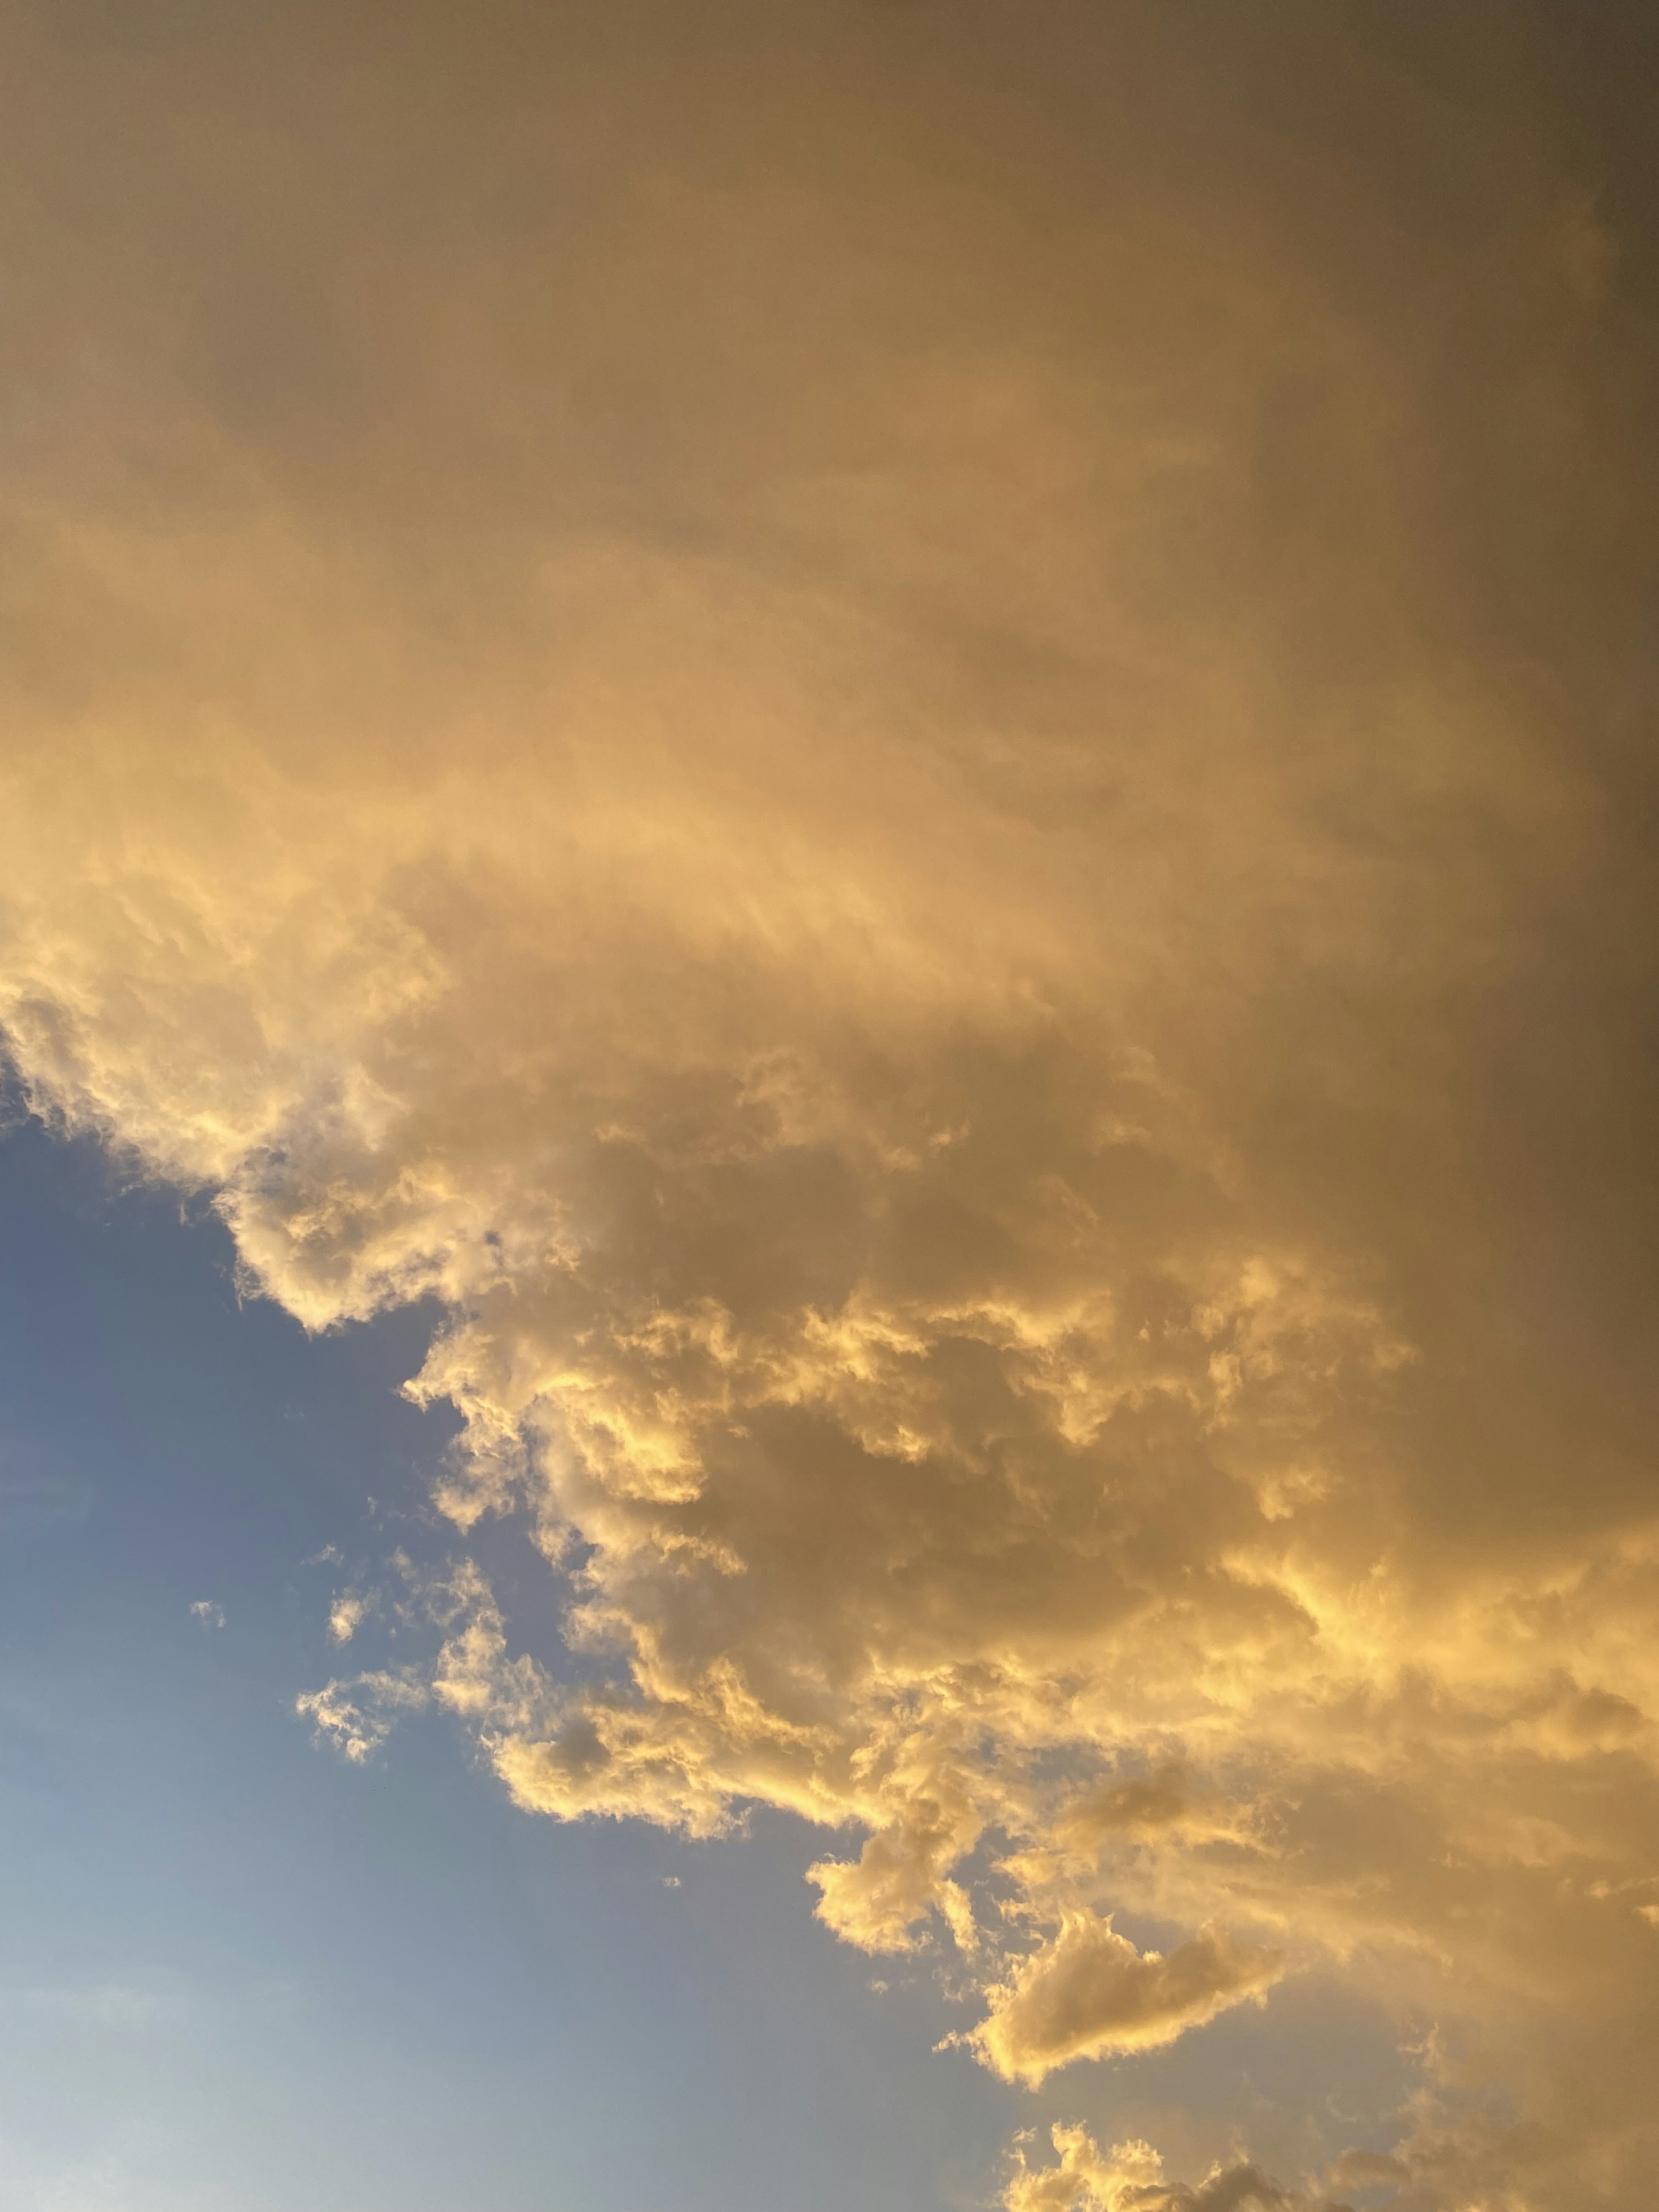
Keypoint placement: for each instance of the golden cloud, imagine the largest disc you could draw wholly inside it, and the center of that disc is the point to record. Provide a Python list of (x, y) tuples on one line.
[(1088, 1992), (1129, 2178), (945, 822)]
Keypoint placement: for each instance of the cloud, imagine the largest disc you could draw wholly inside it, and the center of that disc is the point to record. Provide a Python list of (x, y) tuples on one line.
[(348, 1612), (1088, 1993), (934, 803), (1129, 2178), (210, 1615), (357, 1717)]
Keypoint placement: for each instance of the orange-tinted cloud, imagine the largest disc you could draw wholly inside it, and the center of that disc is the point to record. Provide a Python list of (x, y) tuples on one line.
[(920, 760), (1089, 1992)]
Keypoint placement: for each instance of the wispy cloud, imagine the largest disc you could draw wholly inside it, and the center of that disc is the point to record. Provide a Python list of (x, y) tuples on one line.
[(357, 1717), (348, 1612)]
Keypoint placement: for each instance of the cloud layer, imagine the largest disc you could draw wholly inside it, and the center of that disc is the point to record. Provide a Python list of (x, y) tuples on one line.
[(920, 759)]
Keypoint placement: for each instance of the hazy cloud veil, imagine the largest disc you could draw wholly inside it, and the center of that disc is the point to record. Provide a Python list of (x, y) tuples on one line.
[(914, 740)]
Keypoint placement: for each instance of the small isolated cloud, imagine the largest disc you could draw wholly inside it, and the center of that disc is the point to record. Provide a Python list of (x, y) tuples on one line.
[(210, 1615), (358, 1717), (670, 1881), (347, 1613), (1090, 1993)]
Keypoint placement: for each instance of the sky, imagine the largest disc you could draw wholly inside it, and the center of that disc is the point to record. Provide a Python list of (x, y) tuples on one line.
[(827, 954)]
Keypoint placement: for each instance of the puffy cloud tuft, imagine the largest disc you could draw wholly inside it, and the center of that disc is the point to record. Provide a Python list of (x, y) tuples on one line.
[(1129, 2178), (1088, 1993)]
